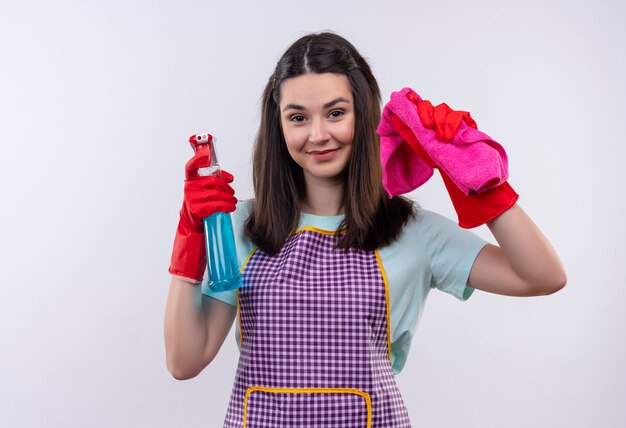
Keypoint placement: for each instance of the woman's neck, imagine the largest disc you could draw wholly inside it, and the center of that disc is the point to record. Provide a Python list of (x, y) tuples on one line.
[(323, 197)]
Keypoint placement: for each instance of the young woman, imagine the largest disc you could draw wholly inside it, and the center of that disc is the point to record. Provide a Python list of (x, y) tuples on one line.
[(335, 272)]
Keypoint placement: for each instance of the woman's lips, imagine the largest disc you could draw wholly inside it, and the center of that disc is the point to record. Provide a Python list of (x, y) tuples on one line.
[(323, 154)]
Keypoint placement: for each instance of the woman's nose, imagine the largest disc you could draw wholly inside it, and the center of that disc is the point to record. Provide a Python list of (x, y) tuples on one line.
[(318, 133)]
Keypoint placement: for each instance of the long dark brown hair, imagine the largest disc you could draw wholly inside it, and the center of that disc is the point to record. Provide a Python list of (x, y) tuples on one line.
[(372, 220)]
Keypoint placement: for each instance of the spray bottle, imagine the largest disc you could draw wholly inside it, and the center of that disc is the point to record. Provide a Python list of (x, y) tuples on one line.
[(222, 262)]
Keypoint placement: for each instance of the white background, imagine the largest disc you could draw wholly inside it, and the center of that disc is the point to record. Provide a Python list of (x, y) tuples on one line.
[(98, 98)]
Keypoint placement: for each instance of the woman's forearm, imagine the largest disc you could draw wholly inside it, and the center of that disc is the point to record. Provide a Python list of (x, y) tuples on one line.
[(530, 254), (185, 329)]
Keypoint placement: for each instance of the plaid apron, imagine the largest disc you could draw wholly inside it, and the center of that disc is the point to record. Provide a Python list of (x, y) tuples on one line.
[(314, 340)]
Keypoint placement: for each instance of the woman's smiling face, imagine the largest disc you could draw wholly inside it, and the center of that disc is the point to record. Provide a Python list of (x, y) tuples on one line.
[(317, 118)]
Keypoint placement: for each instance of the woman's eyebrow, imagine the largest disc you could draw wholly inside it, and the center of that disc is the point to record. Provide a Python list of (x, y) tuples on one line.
[(328, 104)]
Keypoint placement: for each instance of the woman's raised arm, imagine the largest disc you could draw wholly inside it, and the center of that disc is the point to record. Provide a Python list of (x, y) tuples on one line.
[(525, 264)]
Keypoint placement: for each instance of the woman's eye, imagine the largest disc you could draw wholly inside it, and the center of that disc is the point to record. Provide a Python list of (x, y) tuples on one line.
[(297, 118), (336, 113)]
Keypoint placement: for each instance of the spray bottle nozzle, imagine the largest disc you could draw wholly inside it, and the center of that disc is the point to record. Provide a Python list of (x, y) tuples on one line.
[(206, 142), (198, 140)]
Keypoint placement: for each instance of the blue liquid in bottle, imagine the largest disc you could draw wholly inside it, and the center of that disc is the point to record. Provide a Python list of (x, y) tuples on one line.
[(223, 267)]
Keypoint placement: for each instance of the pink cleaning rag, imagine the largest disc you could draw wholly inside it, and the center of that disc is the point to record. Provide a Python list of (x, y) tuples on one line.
[(472, 160)]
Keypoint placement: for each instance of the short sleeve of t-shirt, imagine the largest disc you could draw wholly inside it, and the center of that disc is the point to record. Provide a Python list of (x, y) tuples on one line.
[(433, 252), (451, 253)]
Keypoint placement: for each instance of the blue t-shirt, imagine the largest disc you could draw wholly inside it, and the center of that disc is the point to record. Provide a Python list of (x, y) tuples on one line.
[(432, 252)]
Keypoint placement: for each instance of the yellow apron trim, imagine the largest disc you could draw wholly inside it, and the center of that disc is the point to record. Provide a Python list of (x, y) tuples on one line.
[(245, 263), (382, 271), (239, 319), (248, 259), (318, 230), (365, 395)]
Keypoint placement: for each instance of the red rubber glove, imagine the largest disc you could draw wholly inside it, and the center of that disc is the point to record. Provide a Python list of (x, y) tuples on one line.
[(473, 210), (445, 120), (203, 196)]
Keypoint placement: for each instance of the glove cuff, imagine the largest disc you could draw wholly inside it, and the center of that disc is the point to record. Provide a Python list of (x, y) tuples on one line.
[(189, 254), (479, 208)]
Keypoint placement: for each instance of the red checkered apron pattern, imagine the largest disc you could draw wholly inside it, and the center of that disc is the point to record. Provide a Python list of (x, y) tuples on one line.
[(314, 340)]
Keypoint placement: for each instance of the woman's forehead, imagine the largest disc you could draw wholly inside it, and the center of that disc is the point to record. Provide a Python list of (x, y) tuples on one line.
[(315, 90)]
